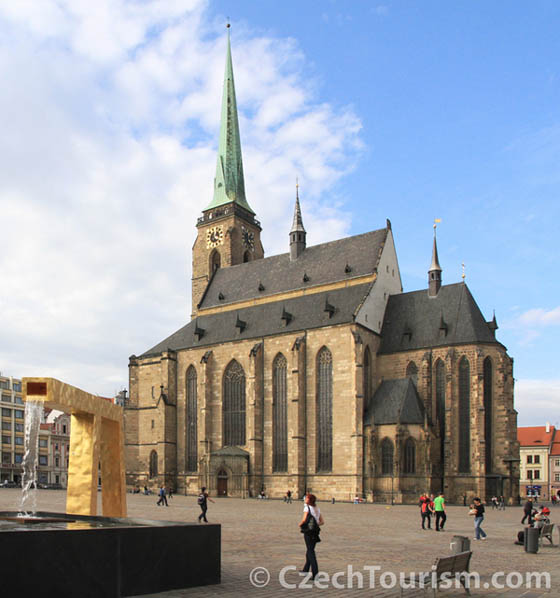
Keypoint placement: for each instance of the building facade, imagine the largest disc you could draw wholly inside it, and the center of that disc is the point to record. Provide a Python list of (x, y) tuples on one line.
[(313, 371), (535, 444), (554, 465)]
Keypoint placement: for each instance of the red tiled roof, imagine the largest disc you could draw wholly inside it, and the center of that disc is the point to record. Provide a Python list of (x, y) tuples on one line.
[(555, 448), (535, 436)]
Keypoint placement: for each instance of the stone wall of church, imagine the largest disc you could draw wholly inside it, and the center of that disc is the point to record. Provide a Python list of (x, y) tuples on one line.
[(457, 485)]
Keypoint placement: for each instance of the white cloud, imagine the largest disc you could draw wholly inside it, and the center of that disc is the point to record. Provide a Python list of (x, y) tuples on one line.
[(109, 120), (540, 317), (537, 402)]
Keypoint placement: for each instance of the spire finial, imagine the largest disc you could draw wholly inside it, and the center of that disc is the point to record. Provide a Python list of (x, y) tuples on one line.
[(463, 275), (297, 188)]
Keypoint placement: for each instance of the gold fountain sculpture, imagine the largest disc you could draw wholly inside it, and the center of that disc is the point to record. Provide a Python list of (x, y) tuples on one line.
[(96, 436)]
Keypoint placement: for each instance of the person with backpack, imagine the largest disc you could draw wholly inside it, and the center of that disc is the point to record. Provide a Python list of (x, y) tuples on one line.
[(425, 510), (202, 501), (309, 526)]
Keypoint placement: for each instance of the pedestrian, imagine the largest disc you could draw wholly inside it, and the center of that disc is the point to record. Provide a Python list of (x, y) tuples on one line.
[(289, 497), (439, 509), (502, 503), (477, 509), (494, 502), (162, 500), (202, 501), (425, 511), (528, 511), (310, 527), (170, 492)]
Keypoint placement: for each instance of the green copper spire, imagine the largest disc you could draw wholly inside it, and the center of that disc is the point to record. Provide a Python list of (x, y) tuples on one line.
[(229, 184)]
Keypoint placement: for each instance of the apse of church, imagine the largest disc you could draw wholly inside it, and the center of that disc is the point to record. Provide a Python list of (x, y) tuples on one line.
[(312, 370)]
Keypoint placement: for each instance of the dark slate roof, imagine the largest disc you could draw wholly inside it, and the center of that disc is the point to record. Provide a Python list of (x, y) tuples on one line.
[(415, 320), (322, 264), (395, 401), (300, 313)]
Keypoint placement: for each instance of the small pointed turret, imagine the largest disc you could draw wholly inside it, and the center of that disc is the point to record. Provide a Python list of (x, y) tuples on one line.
[(434, 273), (297, 234), (229, 183)]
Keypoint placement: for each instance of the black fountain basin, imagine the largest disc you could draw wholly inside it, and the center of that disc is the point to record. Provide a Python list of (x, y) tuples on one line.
[(55, 554)]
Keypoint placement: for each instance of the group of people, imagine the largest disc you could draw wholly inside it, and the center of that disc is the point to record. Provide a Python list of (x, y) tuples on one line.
[(534, 517), (163, 494), (498, 503), (431, 506)]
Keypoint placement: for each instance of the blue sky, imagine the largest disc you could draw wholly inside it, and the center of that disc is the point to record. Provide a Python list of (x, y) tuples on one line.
[(399, 110)]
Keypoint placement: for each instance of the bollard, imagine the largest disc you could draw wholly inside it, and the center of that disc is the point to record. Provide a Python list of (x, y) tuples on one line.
[(460, 544), (531, 540)]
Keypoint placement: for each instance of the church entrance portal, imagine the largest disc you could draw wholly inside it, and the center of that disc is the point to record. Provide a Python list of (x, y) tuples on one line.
[(222, 483)]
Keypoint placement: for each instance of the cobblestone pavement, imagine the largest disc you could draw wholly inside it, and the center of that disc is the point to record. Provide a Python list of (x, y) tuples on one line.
[(264, 533)]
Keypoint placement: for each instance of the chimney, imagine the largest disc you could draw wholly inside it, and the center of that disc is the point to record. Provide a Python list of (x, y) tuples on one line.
[(548, 427)]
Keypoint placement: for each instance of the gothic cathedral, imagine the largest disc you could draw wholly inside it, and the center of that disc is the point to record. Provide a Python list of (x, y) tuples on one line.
[(313, 371)]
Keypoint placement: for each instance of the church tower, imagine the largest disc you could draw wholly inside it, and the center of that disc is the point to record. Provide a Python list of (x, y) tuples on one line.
[(228, 232), (434, 273)]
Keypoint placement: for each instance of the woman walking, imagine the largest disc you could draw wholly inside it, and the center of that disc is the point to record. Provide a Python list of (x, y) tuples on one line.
[(309, 526), (478, 512)]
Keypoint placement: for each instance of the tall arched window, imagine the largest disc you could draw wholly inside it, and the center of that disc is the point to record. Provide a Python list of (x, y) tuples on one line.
[(488, 413), (464, 416), (367, 376), (412, 372), (153, 465), (215, 261), (387, 452), (440, 405), (410, 456), (280, 414), (324, 410), (233, 408), (191, 424)]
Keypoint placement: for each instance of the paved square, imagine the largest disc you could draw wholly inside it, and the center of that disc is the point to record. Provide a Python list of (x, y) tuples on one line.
[(264, 533)]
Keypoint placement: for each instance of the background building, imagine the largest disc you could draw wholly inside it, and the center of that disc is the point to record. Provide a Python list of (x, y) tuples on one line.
[(554, 465), (535, 444), (313, 371)]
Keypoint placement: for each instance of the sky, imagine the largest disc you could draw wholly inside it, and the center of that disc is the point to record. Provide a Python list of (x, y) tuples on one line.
[(109, 119)]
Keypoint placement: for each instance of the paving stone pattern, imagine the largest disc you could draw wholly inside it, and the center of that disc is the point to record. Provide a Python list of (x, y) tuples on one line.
[(264, 533)]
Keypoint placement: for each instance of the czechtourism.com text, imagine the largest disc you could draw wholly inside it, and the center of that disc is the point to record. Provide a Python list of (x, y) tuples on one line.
[(371, 576)]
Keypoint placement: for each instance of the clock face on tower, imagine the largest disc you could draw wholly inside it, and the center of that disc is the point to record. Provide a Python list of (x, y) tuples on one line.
[(215, 236), (248, 238)]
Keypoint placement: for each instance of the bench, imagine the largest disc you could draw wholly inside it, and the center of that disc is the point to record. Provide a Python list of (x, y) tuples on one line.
[(450, 566), (546, 532)]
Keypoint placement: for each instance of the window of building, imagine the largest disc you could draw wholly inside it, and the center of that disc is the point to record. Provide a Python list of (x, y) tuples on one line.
[(57, 461), (529, 474), (464, 416), (440, 406), (19, 440), (537, 459), (17, 386), (18, 427), (192, 420), (43, 460), (367, 376), (18, 400), (43, 442), (410, 456), (324, 410), (6, 439), (280, 413), (64, 428), (6, 412), (557, 477), (7, 426), (18, 413), (6, 457), (529, 458), (153, 424), (56, 446), (6, 398), (234, 405), (488, 407), (557, 463), (153, 464), (5, 384), (387, 452), (536, 474), (412, 372), (18, 458)]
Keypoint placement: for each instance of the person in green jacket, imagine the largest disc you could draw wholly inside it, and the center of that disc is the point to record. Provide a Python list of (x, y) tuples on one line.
[(439, 508)]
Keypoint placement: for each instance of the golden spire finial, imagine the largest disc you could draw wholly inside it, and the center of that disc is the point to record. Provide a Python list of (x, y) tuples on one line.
[(463, 275), (297, 187), (436, 221)]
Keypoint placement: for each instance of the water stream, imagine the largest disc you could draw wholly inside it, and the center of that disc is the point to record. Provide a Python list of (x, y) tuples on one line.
[(33, 418)]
